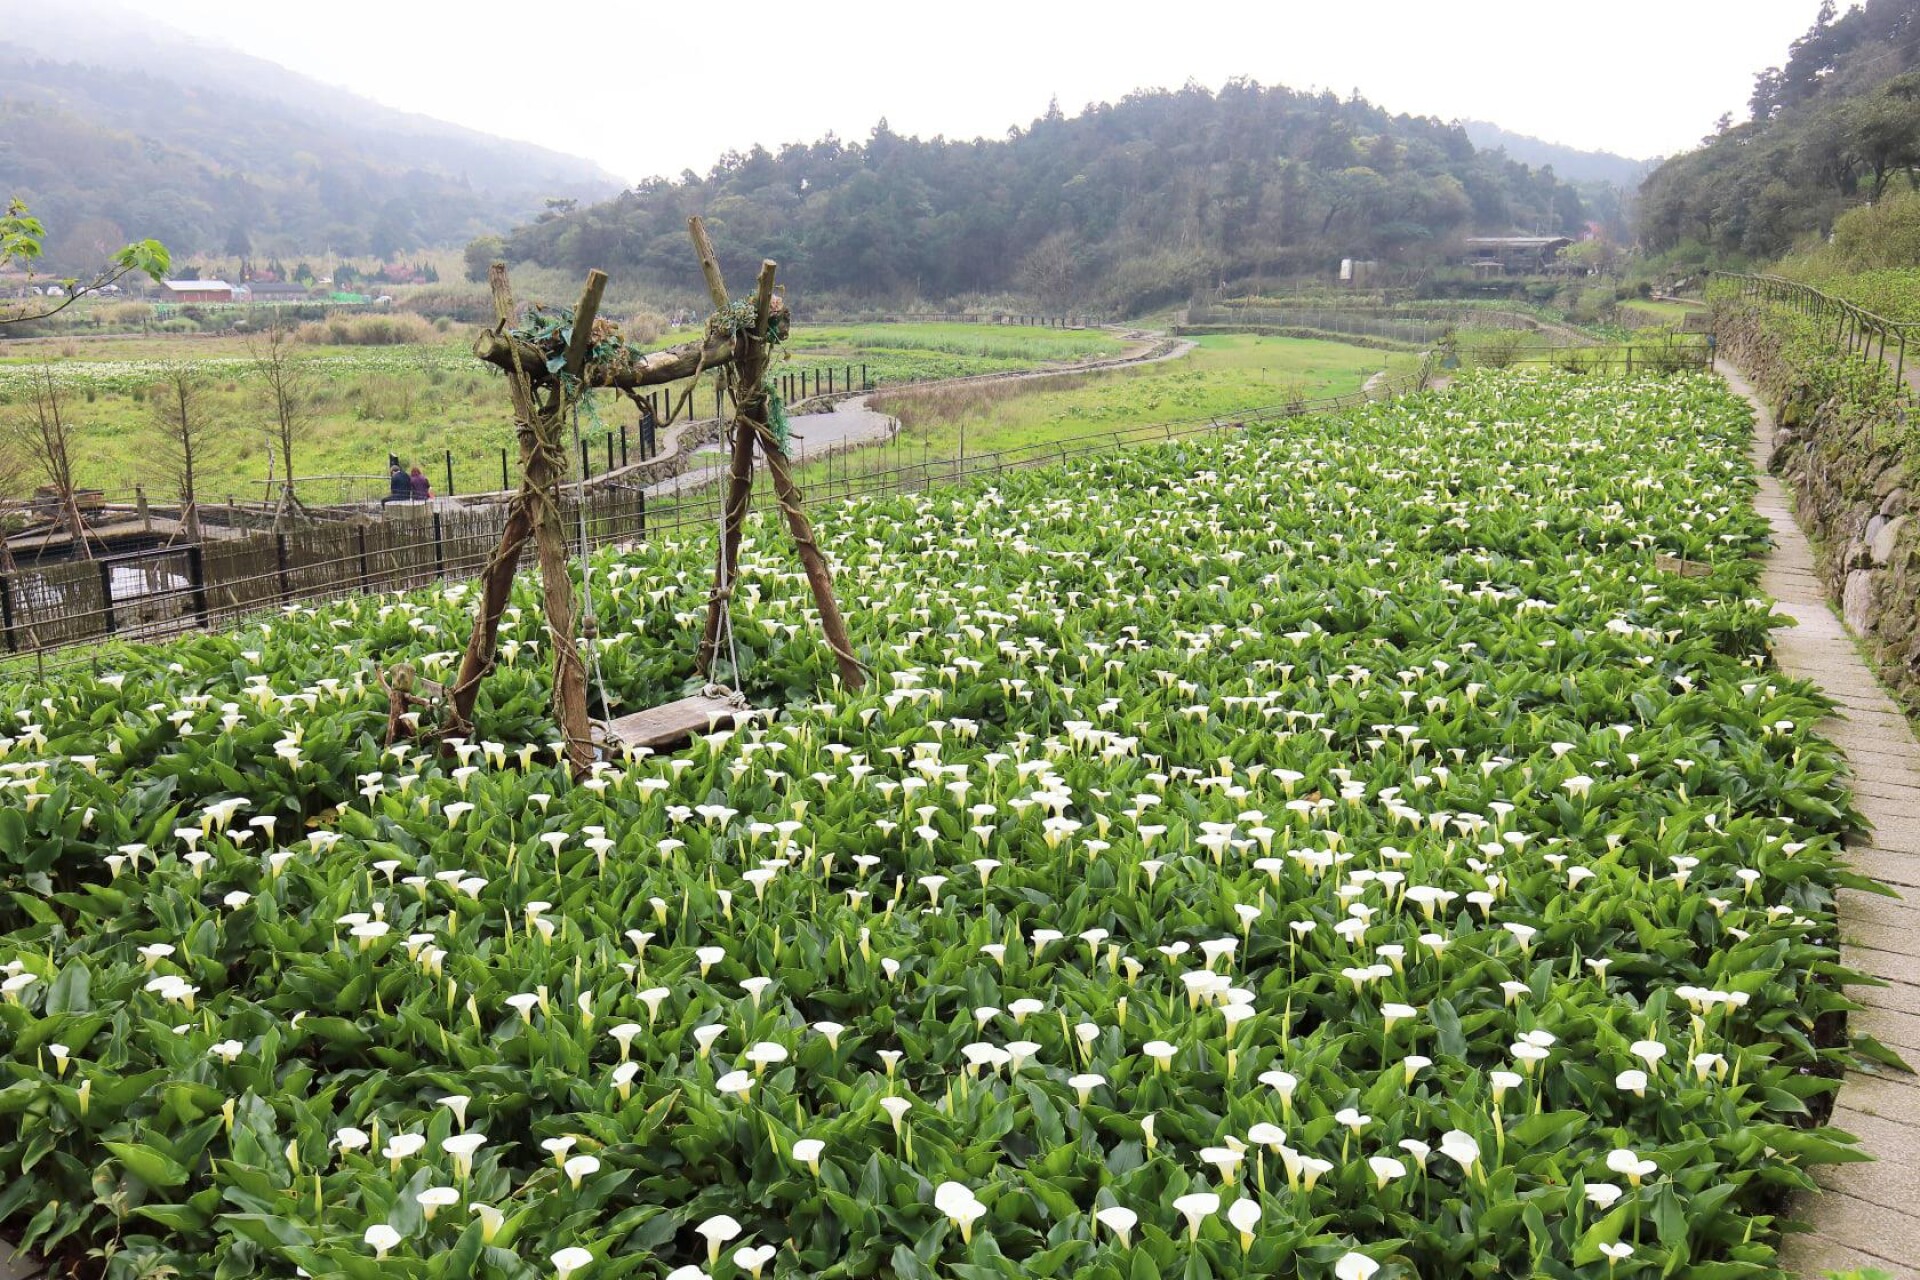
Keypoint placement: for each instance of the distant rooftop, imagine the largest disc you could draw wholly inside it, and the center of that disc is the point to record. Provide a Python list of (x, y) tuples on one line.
[(1516, 242), (194, 284)]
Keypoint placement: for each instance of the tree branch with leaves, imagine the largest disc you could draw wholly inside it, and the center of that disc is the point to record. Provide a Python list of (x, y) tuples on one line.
[(182, 414), (289, 384), (41, 432), (22, 236)]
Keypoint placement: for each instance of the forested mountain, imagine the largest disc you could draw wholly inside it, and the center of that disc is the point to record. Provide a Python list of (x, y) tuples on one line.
[(1130, 204), (1568, 163), (1832, 128), (209, 150)]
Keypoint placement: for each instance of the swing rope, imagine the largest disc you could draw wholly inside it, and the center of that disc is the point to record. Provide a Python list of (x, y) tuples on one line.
[(589, 628), (723, 582)]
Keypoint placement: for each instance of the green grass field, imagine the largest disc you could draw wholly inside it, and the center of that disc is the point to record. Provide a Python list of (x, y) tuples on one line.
[(1658, 311), (1225, 376), (422, 402)]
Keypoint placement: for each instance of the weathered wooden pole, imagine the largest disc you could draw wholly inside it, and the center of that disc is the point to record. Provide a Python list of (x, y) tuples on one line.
[(496, 581), (534, 513), (739, 493), (753, 411), (819, 576), (546, 469)]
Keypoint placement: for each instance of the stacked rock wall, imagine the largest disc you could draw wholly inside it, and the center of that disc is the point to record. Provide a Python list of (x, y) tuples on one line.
[(1846, 443)]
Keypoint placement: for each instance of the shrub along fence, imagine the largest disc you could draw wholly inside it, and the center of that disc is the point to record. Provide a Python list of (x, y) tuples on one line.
[(1847, 439), (1859, 331), (1673, 355)]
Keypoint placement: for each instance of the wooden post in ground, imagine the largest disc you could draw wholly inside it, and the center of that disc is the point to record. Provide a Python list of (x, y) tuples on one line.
[(750, 424), (545, 470), (496, 582), (534, 513), (819, 577)]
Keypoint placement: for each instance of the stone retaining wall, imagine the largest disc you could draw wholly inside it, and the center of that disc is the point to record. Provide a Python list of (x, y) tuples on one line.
[(1855, 475)]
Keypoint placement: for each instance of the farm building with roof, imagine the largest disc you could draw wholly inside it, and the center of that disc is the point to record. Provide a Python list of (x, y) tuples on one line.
[(195, 291)]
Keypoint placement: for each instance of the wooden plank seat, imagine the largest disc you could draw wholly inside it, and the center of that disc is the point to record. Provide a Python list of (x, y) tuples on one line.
[(673, 724)]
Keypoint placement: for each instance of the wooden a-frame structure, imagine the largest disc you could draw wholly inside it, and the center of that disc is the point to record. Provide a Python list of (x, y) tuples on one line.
[(543, 393)]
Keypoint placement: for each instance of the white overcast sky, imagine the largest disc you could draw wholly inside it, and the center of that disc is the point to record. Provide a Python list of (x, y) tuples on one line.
[(653, 89)]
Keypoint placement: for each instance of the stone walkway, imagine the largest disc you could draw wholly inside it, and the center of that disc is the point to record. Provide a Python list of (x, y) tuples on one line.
[(1868, 1215)]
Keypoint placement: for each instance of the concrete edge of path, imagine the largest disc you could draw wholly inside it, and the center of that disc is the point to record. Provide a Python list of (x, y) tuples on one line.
[(1867, 1215), (17, 1266)]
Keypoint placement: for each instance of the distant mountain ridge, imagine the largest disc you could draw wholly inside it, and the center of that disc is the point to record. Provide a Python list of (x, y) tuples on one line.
[(1570, 164), (1128, 205), (150, 133)]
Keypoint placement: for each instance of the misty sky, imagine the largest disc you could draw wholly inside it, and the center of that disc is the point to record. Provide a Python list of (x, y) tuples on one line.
[(642, 90)]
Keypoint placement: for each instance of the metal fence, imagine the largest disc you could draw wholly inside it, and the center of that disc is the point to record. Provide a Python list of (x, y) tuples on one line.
[(1855, 328), (165, 591)]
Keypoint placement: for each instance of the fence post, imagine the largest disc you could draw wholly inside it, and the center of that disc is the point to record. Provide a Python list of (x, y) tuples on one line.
[(504, 486), (280, 555), (449, 473), (197, 579), (106, 594), (6, 613), (865, 384), (586, 468), (366, 579), (623, 443), (1629, 359), (640, 499), (439, 550)]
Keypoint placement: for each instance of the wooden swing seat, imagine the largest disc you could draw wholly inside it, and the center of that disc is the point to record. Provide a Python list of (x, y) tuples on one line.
[(673, 724)]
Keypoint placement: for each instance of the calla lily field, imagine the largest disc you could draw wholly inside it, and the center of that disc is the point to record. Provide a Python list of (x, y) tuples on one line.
[(1343, 848)]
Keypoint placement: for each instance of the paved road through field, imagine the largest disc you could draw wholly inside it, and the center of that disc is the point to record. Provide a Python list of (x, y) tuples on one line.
[(853, 422)]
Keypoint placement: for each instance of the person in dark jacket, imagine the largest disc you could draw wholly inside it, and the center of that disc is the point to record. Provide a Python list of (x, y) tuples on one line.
[(418, 486), (398, 489)]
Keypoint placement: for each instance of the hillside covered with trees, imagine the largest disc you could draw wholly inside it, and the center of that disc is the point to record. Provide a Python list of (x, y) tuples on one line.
[(1835, 127), (217, 152), (1127, 205)]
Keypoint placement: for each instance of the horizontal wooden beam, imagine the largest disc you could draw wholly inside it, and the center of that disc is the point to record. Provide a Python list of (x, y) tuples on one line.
[(669, 364)]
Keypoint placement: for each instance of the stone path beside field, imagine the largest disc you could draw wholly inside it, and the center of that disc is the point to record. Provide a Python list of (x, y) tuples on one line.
[(1867, 1215)]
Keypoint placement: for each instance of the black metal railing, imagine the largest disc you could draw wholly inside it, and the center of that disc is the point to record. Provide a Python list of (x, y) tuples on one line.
[(1857, 329)]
